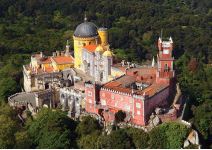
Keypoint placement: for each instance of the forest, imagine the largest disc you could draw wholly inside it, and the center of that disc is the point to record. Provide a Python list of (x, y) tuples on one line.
[(29, 26)]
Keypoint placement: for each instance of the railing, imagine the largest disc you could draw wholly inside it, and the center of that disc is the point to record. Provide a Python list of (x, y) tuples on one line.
[(166, 74)]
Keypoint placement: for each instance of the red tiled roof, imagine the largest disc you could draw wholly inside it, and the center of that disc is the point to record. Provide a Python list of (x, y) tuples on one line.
[(113, 84), (49, 69), (46, 61), (90, 48), (138, 75), (63, 59)]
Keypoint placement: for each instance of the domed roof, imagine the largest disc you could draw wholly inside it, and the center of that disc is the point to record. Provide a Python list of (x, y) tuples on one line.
[(108, 53), (86, 29), (99, 48)]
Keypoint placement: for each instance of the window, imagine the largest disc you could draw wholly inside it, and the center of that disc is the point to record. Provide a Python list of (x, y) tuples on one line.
[(112, 96), (103, 102), (103, 94), (166, 68), (127, 108), (138, 105), (90, 101), (165, 51), (138, 112)]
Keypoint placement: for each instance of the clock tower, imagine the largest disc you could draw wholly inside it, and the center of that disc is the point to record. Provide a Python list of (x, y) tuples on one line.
[(165, 60)]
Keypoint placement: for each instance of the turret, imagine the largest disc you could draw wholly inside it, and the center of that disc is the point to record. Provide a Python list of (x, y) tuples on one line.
[(108, 61), (171, 42), (103, 34), (159, 44)]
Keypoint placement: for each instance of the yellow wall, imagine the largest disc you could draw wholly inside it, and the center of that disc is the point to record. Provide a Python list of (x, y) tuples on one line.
[(79, 43), (46, 65), (61, 67), (65, 66)]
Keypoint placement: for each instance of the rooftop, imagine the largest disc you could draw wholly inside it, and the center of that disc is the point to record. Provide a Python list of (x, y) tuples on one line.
[(141, 80), (90, 48), (63, 59)]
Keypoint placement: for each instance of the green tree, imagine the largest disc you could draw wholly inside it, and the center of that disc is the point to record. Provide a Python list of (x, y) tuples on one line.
[(23, 141), (87, 126), (168, 135), (139, 138), (117, 139), (52, 129), (7, 88), (120, 116), (8, 128), (89, 141), (202, 118)]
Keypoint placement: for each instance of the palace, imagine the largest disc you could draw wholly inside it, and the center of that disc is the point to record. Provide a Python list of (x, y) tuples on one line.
[(90, 82)]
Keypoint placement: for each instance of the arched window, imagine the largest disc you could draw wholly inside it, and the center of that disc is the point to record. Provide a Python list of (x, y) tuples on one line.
[(166, 68)]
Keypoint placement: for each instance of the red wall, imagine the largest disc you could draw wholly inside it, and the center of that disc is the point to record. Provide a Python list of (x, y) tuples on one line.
[(125, 103), (90, 98), (138, 114), (116, 100), (156, 101)]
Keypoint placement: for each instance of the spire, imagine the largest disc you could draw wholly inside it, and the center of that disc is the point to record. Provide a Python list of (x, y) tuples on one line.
[(161, 34), (85, 18), (67, 53), (170, 39), (159, 39), (153, 61), (108, 47)]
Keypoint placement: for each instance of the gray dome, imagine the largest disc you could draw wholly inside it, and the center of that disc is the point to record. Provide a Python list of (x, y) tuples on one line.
[(86, 29)]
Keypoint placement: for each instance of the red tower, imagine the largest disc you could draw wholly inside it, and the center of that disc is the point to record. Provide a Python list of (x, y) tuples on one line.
[(91, 93), (165, 70)]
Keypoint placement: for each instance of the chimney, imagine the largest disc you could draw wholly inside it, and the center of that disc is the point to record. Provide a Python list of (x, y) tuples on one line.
[(128, 64), (58, 53), (122, 63), (41, 54), (62, 53), (67, 51), (54, 54)]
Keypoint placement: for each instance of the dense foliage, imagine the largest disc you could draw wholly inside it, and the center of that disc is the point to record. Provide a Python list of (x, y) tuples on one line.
[(168, 135), (8, 126), (52, 129), (28, 26), (202, 118)]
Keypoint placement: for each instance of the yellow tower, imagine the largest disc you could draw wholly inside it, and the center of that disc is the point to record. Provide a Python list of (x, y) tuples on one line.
[(85, 34), (103, 33)]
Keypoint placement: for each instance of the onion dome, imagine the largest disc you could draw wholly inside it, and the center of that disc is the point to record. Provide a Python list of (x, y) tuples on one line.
[(108, 53), (86, 29), (99, 48)]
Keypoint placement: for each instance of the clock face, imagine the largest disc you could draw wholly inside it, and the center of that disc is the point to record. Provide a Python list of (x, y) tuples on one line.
[(165, 51)]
